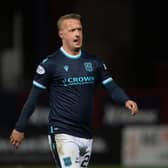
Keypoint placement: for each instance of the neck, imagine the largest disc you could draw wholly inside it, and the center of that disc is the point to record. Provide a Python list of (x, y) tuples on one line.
[(73, 56), (72, 52)]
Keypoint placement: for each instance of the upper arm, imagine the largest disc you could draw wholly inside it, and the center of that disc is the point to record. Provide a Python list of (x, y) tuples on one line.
[(103, 75), (43, 75)]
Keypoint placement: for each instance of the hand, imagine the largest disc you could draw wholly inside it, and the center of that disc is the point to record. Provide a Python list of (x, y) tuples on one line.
[(131, 105), (16, 138)]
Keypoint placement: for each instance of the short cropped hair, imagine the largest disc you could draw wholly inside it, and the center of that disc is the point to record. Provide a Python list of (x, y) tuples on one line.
[(67, 16)]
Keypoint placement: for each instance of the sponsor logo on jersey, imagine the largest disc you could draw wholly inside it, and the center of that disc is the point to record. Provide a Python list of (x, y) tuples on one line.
[(40, 70), (88, 66), (82, 80)]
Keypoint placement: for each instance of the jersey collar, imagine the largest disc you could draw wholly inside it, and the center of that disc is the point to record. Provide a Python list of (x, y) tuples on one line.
[(69, 55)]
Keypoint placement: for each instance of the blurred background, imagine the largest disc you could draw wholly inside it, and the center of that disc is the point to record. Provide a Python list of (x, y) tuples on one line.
[(131, 37)]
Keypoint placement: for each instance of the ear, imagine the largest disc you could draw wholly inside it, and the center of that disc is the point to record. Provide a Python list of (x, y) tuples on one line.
[(60, 33)]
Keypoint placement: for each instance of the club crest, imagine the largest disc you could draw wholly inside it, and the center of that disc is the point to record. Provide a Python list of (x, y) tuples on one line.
[(88, 66)]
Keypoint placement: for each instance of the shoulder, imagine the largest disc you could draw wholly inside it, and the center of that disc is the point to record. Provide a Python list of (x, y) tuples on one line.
[(47, 64), (50, 59), (91, 56), (96, 60)]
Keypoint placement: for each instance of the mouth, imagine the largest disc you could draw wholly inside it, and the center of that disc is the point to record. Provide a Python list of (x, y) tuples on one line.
[(77, 41)]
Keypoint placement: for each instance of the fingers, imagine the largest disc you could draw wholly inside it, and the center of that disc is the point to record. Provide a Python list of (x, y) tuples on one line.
[(133, 113), (131, 105), (14, 142), (16, 138), (134, 110)]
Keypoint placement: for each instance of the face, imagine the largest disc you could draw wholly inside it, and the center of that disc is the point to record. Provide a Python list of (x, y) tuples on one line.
[(71, 35)]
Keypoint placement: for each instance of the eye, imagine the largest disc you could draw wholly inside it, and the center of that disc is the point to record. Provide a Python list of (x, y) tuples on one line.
[(71, 30), (80, 29)]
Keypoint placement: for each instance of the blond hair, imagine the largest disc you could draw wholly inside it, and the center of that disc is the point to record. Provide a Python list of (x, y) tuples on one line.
[(67, 16)]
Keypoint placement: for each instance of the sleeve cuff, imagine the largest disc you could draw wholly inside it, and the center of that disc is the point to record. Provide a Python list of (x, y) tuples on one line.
[(39, 85)]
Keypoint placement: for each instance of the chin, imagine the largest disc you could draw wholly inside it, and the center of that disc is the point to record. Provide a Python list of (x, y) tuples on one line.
[(76, 49)]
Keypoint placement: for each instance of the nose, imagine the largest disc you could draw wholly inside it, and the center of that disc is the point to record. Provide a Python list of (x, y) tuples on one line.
[(77, 33)]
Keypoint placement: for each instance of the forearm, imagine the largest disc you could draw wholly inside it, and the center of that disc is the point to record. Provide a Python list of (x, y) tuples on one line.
[(116, 93), (28, 108)]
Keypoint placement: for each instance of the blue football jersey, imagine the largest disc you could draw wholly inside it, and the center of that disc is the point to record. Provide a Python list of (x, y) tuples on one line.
[(71, 82)]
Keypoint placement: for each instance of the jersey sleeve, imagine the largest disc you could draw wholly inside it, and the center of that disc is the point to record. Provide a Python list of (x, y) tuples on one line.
[(115, 92), (103, 75), (43, 74), (28, 108)]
